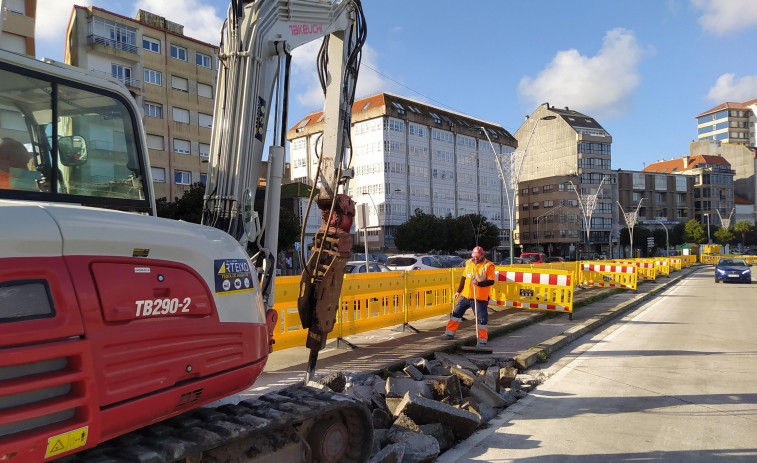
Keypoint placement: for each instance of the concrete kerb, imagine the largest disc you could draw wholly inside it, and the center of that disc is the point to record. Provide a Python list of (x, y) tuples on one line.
[(529, 357)]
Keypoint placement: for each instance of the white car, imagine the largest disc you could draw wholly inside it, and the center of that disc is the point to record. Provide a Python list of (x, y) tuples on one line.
[(358, 266), (413, 262)]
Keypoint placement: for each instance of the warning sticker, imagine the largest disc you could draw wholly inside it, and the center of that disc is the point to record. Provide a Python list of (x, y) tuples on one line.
[(66, 441), (232, 276)]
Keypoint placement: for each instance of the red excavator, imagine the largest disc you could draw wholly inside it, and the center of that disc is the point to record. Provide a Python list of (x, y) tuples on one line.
[(114, 323)]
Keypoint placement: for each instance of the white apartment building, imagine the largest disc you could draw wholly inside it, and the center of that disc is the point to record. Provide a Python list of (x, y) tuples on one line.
[(408, 155)]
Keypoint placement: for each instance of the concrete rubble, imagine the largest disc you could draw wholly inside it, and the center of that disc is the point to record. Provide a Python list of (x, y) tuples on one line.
[(430, 405)]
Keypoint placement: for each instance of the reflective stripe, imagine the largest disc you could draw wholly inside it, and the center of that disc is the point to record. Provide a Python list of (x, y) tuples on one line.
[(456, 319), (452, 326), (449, 333)]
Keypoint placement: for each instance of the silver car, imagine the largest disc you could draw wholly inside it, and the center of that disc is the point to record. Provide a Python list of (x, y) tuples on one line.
[(413, 262), (358, 266)]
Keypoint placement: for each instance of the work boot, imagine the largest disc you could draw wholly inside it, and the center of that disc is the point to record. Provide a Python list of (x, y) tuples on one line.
[(448, 337)]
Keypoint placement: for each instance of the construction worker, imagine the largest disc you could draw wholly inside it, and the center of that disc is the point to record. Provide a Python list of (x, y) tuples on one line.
[(475, 285)]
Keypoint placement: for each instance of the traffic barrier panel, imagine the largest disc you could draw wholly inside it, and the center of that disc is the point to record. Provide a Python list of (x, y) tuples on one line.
[(644, 269), (288, 331), (709, 259), (661, 267), (607, 275), (429, 292), (370, 301), (538, 289), (688, 260), (674, 263)]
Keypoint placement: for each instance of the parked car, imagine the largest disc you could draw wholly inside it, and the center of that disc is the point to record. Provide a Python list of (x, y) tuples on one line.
[(451, 261), (413, 262), (358, 266), (733, 269), (534, 257), (555, 259), (516, 260)]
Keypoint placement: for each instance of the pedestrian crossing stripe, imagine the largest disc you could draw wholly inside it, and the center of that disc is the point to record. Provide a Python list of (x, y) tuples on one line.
[(67, 441)]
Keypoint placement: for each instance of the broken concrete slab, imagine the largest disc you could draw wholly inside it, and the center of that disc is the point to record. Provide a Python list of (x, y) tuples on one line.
[(441, 433), (445, 388), (381, 419), (401, 426), (506, 376), (462, 423), (491, 377), (398, 387), (413, 372), (335, 381), (485, 395), (466, 377), (422, 365), (380, 440), (458, 361), (420, 448), (392, 403), (390, 454)]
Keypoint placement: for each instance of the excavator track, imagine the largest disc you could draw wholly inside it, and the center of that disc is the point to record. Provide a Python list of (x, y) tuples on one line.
[(295, 424)]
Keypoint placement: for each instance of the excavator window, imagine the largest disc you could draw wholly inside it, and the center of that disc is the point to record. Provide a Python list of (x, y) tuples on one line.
[(73, 144)]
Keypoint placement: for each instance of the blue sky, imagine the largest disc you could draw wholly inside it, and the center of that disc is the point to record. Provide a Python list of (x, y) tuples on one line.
[(643, 68)]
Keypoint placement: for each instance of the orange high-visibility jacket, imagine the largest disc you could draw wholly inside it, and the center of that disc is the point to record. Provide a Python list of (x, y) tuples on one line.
[(481, 272)]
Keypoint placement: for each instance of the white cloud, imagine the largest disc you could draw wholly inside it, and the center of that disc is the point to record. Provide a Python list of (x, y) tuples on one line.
[(728, 88), (307, 87), (200, 20), (724, 16), (52, 19), (600, 85)]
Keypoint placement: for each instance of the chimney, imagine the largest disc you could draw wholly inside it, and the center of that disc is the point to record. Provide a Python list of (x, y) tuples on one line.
[(685, 162)]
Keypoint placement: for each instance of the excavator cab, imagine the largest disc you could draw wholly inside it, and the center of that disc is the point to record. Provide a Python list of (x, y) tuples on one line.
[(63, 143)]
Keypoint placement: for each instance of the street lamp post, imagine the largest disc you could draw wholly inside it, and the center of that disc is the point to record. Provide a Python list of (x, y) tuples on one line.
[(365, 229), (587, 205), (709, 241), (538, 233), (630, 218), (510, 182)]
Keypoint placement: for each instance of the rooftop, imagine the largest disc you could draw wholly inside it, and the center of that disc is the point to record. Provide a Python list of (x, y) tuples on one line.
[(728, 105), (680, 164)]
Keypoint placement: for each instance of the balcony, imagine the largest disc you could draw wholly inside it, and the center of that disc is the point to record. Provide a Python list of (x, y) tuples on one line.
[(112, 43), (129, 82)]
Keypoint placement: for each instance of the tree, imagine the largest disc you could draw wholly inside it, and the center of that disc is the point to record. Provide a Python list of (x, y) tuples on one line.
[(723, 236), (677, 234), (420, 233), (187, 208), (693, 232), (743, 227), (471, 230)]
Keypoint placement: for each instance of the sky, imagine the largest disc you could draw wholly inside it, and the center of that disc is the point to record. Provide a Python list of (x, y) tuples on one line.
[(643, 69)]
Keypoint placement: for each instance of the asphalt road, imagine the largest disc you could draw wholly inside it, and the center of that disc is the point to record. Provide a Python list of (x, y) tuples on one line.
[(674, 380)]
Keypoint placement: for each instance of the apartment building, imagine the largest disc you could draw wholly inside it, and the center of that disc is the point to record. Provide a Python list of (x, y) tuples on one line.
[(18, 21), (663, 199), (409, 155), (729, 123), (171, 76), (549, 216), (559, 142), (712, 187)]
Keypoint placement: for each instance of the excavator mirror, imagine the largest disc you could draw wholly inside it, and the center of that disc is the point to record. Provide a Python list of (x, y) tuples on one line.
[(72, 151)]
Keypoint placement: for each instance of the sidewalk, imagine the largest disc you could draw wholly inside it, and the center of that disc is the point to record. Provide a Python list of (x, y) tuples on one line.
[(513, 333)]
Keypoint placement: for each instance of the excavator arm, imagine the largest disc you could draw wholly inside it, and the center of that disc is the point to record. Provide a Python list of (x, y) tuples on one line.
[(255, 56)]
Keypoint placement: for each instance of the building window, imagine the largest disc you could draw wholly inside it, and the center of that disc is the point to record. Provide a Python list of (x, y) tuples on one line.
[(181, 115), (204, 179), (182, 177), (158, 174), (205, 120), (546, 188), (123, 74), (155, 142), (153, 77), (202, 60), (204, 150), (535, 190), (179, 83), (151, 44), (204, 90), (154, 110), (179, 53), (181, 146), (524, 192)]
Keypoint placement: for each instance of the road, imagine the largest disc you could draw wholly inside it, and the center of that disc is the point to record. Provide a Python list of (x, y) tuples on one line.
[(674, 380)]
